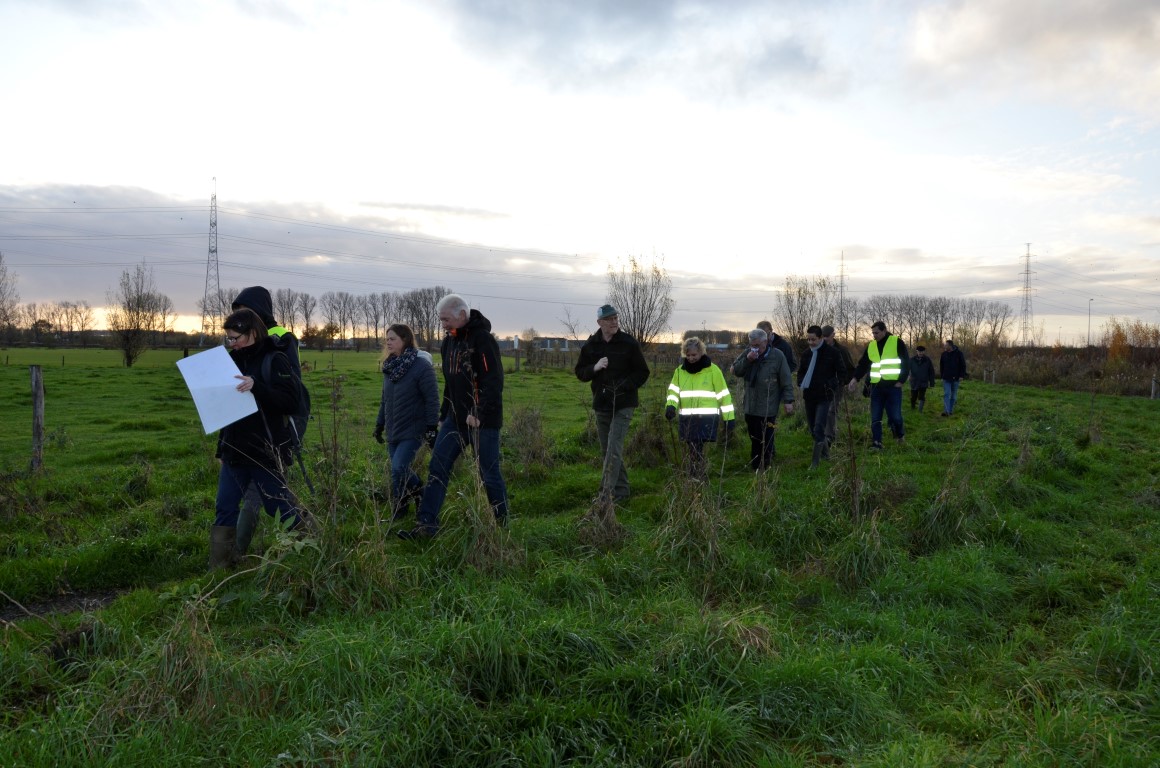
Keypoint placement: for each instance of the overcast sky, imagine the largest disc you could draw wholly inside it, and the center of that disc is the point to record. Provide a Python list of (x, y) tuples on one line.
[(512, 149)]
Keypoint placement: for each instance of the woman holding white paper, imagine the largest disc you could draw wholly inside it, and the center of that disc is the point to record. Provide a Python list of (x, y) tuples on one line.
[(256, 448)]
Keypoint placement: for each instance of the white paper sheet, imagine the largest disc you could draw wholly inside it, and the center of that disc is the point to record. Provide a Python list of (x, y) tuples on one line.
[(210, 378)]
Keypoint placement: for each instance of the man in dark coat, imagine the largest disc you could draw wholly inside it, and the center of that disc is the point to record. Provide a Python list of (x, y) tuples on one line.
[(471, 413), (614, 365), (921, 377), (822, 372), (952, 369)]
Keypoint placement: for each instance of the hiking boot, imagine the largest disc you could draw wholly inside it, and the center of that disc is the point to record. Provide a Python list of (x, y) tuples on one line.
[(418, 533), (876, 446)]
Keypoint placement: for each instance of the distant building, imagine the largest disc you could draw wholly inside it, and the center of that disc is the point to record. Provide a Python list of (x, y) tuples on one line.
[(552, 344)]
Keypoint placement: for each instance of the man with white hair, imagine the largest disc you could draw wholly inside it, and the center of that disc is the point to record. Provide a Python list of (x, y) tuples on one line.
[(471, 413)]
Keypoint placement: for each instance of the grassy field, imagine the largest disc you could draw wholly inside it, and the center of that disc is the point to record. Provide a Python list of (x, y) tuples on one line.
[(986, 594)]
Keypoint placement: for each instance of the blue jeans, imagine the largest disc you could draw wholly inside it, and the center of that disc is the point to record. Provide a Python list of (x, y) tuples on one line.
[(403, 478), (950, 395), (448, 445), (232, 483), (612, 429), (886, 397)]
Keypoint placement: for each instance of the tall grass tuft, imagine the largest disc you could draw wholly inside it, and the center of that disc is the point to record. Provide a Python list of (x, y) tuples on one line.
[(532, 446), (486, 546), (19, 494), (688, 532), (860, 557), (942, 522), (648, 444), (137, 486), (599, 526), (848, 487)]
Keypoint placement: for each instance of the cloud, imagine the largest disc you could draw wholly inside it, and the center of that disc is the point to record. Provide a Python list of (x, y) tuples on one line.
[(723, 49), (1080, 51), (450, 210)]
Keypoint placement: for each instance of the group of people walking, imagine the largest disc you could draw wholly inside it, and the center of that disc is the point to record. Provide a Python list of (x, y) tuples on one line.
[(256, 451)]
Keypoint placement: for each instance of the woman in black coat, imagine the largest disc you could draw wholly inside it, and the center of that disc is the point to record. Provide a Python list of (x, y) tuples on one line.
[(256, 448)]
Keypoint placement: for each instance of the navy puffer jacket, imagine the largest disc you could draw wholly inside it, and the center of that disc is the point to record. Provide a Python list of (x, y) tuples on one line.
[(411, 404)]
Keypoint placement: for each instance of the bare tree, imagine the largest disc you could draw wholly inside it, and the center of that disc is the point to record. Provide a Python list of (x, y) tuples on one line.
[(9, 300), (285, 306), (998, 319), (572, 325), (417, 307), (971, 313), (330, 305), (642, 294), (78, 321), (134, 312), (803, 302), (306, 306)]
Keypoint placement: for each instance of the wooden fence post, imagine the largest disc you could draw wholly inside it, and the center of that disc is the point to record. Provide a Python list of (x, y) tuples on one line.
[(37, 417)]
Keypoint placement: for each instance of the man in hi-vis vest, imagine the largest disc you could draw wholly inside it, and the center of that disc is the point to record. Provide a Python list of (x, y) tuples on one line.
[(888, 365)]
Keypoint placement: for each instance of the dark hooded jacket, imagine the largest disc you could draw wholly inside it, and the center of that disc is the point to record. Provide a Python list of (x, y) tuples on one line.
[(257, 298), (472, 374), (264, 438), (616, 386)]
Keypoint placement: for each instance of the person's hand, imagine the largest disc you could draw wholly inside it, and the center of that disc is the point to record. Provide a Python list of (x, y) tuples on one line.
[(473, 421), (430, 435), (788, 409), (670, 413), (730, 426), (601, 364), (246, 384), (379, 434), (752, 354)]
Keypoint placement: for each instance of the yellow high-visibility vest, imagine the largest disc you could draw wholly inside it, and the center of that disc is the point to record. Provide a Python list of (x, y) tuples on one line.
[(885, 365), (704, 393)]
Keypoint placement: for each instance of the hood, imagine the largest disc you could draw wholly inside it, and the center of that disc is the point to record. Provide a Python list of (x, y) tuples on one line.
[(477, 322), (258, 299)]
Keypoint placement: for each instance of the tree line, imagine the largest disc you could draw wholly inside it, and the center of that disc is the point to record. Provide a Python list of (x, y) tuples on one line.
[(358, 321)]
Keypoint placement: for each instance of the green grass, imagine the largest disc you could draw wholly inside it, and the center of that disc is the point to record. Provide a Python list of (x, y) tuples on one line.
[(995, 601)]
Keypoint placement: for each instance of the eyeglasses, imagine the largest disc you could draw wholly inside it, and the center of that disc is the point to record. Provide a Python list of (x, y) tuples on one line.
[(232, 339)]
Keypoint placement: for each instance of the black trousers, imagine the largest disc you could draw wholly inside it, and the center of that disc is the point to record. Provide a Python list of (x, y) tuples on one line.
[(762, 430)]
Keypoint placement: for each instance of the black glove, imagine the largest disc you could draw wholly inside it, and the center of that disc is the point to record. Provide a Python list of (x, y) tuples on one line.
[(730, 426), (670, 413), (379, 434), (430, 435)]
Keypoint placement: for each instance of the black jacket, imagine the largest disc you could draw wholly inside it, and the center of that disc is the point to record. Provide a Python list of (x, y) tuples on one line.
[(829, 373), (264, 438), (921, 372), (257, 298), (472, 374), (785, 348), (952, 366), (616, 386)]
